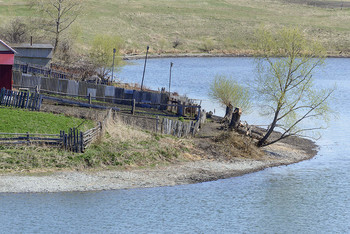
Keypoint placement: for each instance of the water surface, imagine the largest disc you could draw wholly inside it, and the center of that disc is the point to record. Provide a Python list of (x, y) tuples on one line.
[(309, 197)]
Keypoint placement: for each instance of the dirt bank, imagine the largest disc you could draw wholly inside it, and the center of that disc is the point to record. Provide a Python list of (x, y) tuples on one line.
[(184, 173)]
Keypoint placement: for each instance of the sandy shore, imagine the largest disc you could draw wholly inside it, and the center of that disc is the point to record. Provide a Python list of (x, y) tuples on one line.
[(184, 173)]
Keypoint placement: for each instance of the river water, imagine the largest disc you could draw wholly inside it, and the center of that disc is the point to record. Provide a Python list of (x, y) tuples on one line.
[(309, 197)]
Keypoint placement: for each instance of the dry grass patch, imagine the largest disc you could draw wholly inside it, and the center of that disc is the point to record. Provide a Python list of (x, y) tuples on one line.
[(236, 145), (126, 146)]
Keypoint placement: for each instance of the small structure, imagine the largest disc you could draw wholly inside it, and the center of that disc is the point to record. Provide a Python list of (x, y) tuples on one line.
[(6, 62), (39, 54)]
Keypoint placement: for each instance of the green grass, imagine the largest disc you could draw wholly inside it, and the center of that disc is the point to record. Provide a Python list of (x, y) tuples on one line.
[(21, 121), (228, 25)]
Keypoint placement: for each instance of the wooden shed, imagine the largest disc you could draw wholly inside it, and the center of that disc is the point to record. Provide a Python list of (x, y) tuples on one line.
[(7, 55)]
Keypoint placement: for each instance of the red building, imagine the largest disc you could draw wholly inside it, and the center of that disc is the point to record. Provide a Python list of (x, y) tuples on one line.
[(7, 55)]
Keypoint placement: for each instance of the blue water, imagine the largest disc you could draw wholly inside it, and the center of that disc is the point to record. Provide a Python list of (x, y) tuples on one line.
[(309, 197)]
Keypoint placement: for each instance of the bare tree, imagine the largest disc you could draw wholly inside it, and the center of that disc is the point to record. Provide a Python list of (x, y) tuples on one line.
[(15, 32), (285, 83), (59, 15)]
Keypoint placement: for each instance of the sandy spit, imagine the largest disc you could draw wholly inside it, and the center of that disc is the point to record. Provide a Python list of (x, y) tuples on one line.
[(184, 173)]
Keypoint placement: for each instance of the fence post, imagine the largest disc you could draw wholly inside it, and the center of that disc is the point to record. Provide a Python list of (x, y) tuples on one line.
[(40, 101), (65, 140), (133, 107), (199, 113), (70, 139), (81, 142), (2, 95), (74, 140), (28, 140), (9, 94), (157, 123), (89, 98)]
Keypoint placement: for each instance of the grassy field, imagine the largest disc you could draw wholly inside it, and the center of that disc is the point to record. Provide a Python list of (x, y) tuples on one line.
[(201, 25), (21, 121)]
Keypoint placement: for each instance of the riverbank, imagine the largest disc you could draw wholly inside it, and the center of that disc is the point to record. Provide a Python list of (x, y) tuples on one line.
[(183, 173), (237, 54)]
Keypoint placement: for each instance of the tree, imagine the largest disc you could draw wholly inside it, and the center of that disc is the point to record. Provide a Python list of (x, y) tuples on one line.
[(60, 15), (15, 32), (229, 94), (285, 85), (101, 53)]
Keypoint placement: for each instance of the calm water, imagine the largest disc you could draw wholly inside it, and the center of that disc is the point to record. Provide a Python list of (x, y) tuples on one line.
[(308, 197)]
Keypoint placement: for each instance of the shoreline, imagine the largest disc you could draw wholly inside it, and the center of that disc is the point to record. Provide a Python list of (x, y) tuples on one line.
[(184, 173), (207, 55)]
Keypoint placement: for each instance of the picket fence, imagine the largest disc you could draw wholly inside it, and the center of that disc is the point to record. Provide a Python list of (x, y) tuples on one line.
[(20, 99)]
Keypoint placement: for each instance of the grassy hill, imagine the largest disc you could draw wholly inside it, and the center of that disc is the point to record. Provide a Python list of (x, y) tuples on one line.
[(198, 25)]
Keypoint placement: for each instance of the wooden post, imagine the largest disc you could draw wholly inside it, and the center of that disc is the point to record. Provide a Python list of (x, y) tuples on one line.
[(199, 113), (157, 123), (70, 139), (9, 93), (2, 95), (64, 140), (40, 102), (89, 98), (74, 140), (133, 106), (81, 142)]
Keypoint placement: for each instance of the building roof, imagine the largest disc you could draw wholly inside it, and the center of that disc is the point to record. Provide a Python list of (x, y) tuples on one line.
[(33, 46), (5, 47)]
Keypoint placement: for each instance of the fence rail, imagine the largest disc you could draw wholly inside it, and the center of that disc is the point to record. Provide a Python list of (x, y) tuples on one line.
[(30, 138), (21, 99)]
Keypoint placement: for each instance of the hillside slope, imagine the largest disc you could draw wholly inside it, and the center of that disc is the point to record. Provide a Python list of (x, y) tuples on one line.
[(200, 25)]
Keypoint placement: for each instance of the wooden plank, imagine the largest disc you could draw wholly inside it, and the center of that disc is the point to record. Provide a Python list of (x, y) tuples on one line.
[(9, 92), (24, 98), (37, 97), (40, 102), (2, 95), (26, 102)]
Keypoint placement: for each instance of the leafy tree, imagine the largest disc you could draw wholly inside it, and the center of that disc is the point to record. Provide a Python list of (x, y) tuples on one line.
[(285, 85), (229, 94), (59, 15), (101, 53)]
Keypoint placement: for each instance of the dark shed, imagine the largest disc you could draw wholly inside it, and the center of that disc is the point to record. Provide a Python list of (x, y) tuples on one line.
[(6, 62)]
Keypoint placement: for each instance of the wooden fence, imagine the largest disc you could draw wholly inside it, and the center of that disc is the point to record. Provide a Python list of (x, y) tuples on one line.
[(39, 70), (76, 141), (81, 104), (21, 99), (30, 138), (164, 125), (70, 141)]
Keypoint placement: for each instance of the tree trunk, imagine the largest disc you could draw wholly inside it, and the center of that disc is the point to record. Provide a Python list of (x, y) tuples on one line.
[(228, 114), (235, 120), (272, 127)]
